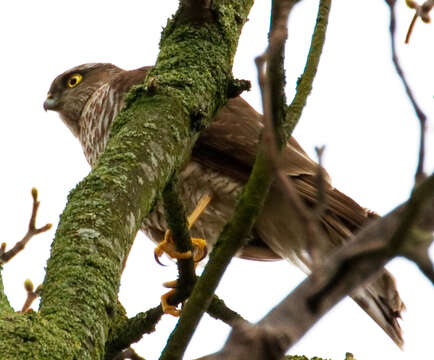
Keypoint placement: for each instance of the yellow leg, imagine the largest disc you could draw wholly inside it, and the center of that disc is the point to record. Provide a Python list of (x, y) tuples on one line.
[(198, 243), (168, 246), (200, 207)]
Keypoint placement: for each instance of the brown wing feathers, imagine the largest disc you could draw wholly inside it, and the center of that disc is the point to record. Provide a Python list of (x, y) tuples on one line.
[(229, 147)]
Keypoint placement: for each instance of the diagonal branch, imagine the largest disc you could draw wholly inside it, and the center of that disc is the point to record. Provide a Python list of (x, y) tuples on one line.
[(132, 331), (219, 310), (304, 84), (419, 112), (272, 90), (272, 81), (357, 263)]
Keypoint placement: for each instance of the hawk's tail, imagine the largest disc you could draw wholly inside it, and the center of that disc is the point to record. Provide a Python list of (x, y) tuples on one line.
[(381, 300)]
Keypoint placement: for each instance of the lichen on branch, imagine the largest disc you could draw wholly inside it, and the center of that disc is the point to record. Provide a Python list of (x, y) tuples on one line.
[(150, 140)]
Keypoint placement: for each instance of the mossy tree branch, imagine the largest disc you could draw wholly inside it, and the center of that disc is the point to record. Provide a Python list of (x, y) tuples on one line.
[(304, 84), (5, 307), (177, 223), (252, 198), (231, 239), (131, 330), (218, 310), (151, 138)]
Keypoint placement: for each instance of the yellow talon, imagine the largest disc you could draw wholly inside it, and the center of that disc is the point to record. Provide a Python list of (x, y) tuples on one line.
[(200, 249), (170, 284), (168, 246), (169, 309)]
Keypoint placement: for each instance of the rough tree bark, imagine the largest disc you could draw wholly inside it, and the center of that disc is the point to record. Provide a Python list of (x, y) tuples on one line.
[(151, 138)]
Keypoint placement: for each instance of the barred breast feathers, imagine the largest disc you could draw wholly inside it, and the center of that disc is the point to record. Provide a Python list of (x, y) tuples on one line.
[(96, 118), (101, 109)]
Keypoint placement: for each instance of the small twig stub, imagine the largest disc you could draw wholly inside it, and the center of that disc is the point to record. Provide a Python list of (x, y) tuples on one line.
[(5, 256)]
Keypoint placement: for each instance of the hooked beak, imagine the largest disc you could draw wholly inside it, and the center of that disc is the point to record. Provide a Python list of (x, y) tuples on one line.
[(50, 103)]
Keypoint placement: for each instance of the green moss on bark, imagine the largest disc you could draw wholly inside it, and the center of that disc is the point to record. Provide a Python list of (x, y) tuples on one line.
[(30, 336), (5, 307), (150, 140)]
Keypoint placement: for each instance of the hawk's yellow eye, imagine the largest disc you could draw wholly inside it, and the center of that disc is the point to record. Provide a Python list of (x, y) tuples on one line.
[(74, 80)]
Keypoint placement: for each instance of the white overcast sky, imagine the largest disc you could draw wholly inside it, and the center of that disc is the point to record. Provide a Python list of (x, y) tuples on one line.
[(358, 110)]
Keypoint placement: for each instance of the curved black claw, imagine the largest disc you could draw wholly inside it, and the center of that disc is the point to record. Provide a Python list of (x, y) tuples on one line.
[(157, 259)]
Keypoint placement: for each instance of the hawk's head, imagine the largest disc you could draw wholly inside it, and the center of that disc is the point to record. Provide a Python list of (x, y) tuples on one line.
[(70, 91)]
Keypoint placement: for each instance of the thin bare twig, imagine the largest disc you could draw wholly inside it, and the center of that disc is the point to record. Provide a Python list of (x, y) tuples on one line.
[(411, 27), (269, 138), (31, 295), (421, 11), (219, 310), (420, 175), (5, 256), (271, 83), (293, 113)]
